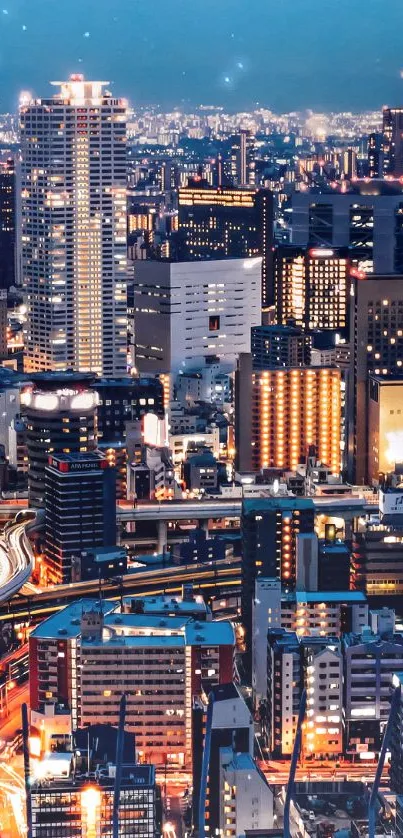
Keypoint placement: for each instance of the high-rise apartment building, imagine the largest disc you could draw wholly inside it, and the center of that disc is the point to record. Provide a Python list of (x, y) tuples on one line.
[(365, 217), (80, 510), (189, 313), (385, 425), (241, 163), (393, 141), (60, 418), (311, 288), (94, 652), (224, 223), (282, 414), (7, 223), (73, 229), (376, 340)]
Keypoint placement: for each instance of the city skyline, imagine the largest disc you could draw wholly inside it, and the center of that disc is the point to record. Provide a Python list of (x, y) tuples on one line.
[(179, 59)]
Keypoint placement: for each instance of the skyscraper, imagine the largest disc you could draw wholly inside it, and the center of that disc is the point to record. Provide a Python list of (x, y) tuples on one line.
[(224, 223), (7, 223), (393, 141), (73, 228), (241, 167)]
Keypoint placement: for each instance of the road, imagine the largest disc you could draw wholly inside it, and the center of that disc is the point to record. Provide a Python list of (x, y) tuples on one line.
[(16, 558), (169, 580)]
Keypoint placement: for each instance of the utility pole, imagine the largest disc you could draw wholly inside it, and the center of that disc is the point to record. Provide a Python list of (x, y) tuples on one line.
[(293, 767)]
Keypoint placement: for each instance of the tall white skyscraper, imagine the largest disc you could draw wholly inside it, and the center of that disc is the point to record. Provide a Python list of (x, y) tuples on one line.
[(73, 228)]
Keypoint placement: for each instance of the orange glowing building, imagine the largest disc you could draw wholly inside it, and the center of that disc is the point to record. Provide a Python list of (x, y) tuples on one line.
[(283, 412)]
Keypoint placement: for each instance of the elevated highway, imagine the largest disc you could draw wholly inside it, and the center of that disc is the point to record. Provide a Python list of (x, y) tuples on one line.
[(16, 558)]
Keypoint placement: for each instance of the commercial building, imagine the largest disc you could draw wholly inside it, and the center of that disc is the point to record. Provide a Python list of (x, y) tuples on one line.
[(392, 146), (224, 223), (385, 425), (283, 414), (73, 229), (123, 400), (7, 224), (311, 288), (80, 510), (377, 561), (75, 806), (333, 565), (87, 655), (376, 341), (60, 416), (370, 661), (280, 346), (366, 217), (188, 314)]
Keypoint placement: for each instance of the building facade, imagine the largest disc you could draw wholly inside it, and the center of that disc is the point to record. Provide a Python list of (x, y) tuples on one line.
[(188, 314), (283, 414), (73, 229)]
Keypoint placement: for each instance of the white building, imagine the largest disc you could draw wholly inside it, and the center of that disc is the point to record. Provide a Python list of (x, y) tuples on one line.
[(323, 731), (188, 312), (73, 229), (247, 799), (85, 659)]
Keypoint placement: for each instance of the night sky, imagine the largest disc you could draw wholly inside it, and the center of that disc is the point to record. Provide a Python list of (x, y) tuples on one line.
[(284, 54)]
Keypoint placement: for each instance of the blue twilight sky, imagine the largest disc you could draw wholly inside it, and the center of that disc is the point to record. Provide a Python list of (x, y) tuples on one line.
[(284, 54)]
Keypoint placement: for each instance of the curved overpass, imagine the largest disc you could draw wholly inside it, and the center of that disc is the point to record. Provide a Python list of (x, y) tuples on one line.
[(16, 558)]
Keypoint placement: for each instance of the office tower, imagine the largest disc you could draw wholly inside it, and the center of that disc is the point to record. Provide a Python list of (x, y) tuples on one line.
[(7, 224), (285, 683), (365, 217), (80, 510), (280, 346), (311, 288), (60, 413), (161, 659), (241, 163), (224, 223), (266, 614), (393, 141), (376, 341), (123, 400), (370, 662), (273, 545), (188, 314), (84, 806), (282, 414), (375, 155), (73, 228), (385, 425)]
